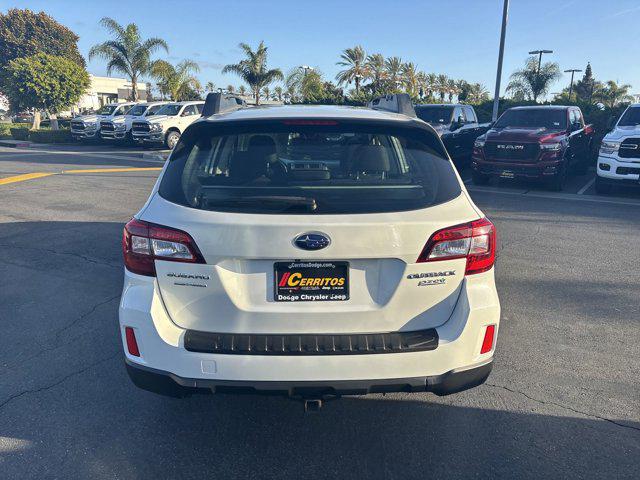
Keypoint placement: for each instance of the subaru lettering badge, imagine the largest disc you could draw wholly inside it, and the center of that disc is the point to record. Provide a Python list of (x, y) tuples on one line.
[(312, 241)]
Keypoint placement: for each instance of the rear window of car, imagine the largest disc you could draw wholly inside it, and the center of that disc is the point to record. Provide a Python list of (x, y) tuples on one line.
[(307, 167)]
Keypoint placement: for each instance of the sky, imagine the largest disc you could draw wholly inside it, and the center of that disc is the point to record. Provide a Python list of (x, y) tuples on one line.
[(456, 37)]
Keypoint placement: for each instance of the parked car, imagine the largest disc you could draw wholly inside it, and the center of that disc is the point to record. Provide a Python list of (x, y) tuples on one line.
[(87, 127), (309, 251), (457, 125), (119, 128), (542, 143), (22, 117), (619, 156), (166, 126)]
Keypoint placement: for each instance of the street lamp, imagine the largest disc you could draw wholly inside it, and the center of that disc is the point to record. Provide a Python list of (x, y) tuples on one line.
[(572, 71), (539, 53), (503, 33), (306, 69)]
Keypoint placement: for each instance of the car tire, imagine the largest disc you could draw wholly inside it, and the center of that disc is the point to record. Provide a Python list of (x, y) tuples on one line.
[(479, 178), (171, 139), (602, 188)]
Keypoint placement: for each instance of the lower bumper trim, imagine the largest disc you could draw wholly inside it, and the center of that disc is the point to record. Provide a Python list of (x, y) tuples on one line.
[(168, 384)]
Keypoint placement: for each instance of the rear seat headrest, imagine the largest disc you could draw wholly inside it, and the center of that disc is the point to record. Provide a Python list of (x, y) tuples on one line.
[(371, 158)]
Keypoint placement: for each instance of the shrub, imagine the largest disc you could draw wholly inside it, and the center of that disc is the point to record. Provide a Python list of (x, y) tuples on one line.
[(5, 128), (50, 136), (20, 133)]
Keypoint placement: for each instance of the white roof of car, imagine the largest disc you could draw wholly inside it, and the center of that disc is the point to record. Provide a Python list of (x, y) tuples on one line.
[(309, 112)]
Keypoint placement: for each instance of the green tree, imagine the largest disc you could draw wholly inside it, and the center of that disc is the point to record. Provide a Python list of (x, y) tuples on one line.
[(179, 81), (533, 80), (127, 53), (377, 72), (410, 79), (355, 61), (210, 87), (305, 85), (612, 94), (277, 93), (266, 93), (452, 89), (242, 90), (253, 69), (586, 86), (442, 86), (393, 67), (24, 33), (46, 82)]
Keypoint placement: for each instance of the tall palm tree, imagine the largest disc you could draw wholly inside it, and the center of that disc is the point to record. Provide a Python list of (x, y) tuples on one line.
[(533, 80), (477, 93), (127, 53), (612, 94), (355, 60), (442, 86), (452, 89), (377, 71), (253, 69), (178, 81), (277, 93), (432, 83), (242, 90), (210, 87), (266, 92), (410, 78), (230, 88), (393, 66)]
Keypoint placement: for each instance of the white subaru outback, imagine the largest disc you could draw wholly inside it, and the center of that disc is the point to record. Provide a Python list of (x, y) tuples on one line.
[(309, 251)]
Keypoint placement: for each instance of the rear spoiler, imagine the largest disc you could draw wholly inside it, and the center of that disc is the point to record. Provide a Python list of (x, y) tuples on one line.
[(220, 103), (396, 103)]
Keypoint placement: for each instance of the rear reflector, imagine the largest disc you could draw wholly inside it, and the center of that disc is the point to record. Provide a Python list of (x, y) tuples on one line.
[(475, 241), (132, 344), (487, 343), (143, 243)]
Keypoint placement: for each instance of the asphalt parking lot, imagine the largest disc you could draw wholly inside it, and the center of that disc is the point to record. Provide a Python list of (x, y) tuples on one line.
[(563, 400)]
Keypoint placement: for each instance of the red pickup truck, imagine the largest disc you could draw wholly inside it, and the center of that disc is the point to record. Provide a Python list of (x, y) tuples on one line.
[(543, 143)]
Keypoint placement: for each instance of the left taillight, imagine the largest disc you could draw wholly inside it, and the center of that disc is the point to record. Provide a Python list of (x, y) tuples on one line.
[(475, 241), (143, 243)]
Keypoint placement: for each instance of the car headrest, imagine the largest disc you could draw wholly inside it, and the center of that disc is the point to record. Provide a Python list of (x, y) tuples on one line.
[(246, 166), (371, 158), (262, 145)]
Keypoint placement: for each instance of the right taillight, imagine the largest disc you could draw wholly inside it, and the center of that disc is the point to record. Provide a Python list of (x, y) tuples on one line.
[(475, 241), (143, 243)]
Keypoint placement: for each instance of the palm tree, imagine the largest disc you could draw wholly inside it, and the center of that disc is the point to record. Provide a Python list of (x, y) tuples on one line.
[(230, 89), (393, 66), (253, 69), (533, 80), (477, 93), (266, 92), (277, 93), (242, 90), (210, 87), (127, 53), (452, 89), (442, 86), (377, 71), (410, 78), (432, 83), (355, 61), (179, 81), (612, 94)]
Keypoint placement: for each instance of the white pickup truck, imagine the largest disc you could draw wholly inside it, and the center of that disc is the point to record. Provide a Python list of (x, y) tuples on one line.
[(166, 126), (119, 128), (619, 156), (87, 127)]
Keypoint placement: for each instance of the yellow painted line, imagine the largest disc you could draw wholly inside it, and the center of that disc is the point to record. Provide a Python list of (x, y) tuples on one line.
[(109, 170), (30, 176), (22, 178)]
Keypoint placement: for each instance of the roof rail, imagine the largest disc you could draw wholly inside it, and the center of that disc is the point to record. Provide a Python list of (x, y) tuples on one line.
[(396, 103), (220, 103)]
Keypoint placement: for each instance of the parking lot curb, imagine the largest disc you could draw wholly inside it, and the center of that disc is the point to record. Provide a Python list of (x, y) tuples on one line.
[(15, 143)]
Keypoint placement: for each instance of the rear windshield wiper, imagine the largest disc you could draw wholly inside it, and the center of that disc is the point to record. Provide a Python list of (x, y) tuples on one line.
[(267, 201)]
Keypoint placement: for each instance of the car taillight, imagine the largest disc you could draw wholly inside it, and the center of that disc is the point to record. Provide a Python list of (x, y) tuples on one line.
[(143, 243), (475, 241)]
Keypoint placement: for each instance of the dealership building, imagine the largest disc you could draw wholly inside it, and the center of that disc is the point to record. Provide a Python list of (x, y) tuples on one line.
[(105, 90)]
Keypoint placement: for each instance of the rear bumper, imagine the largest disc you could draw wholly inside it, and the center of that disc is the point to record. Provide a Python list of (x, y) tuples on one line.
[(168, 384)]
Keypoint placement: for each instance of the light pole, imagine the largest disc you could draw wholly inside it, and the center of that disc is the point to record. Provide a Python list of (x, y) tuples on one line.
[(573, 71), (539, 53), (503, 32)]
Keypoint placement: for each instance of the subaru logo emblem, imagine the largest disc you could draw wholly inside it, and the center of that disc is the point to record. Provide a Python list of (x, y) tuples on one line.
[(312, 241)]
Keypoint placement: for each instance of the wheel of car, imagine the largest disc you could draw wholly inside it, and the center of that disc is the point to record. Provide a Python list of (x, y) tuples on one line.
[(171, 139), (602, 188), (479, 178)]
